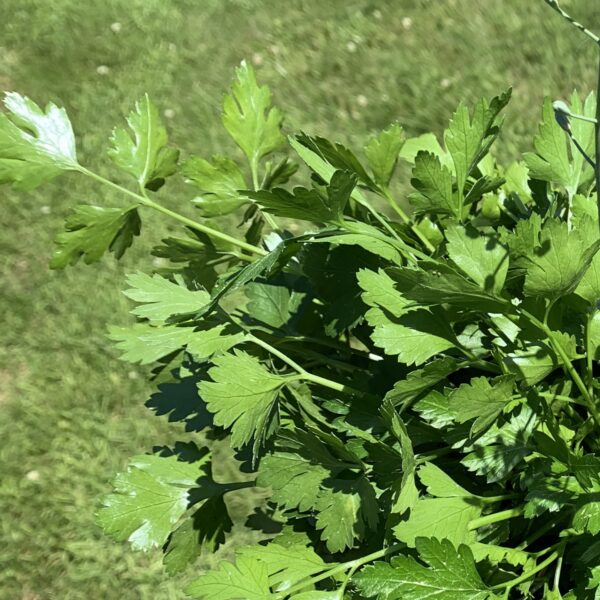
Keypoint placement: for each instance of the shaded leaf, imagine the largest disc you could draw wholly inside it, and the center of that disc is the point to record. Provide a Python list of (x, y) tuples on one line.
[(220, 180), (90, 231)]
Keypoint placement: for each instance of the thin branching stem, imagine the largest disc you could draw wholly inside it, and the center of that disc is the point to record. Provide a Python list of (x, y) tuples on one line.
[(145, 201), (556, 6)]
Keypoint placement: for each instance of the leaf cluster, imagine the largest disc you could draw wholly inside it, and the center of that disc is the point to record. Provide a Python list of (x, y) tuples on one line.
[(413, 399)]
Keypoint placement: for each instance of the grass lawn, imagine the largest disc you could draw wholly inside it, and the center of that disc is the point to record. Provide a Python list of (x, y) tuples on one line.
[(70, 413)]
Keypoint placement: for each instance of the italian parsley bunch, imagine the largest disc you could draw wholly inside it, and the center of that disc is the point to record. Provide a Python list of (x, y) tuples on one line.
[(409, 402)]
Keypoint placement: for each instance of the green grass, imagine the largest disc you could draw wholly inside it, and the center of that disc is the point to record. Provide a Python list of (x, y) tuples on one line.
[(70, 412)]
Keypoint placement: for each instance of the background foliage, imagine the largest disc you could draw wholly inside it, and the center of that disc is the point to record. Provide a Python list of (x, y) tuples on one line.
[(71, 414)]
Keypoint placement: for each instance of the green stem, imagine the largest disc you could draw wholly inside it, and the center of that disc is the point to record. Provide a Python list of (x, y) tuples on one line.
[(144, 201), (558, 570), (554, 4), (272, 350), (540, 532), (406, 220), (568, 365), (528, 574), (353, 565), (303, 374), (494, 518), (560, 397), (597, 145), (257, 186), (589, 353), (494, 499)]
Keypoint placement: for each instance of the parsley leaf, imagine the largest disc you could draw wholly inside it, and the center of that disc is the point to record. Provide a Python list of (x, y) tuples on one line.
[(481, 399), (468, 138), (481, 258), (35, 145), (242, 395), (91, 231), (559, 260), (220, 180), (433, 182), (449, 574), (146, 155), (149, 498), (249, 118), (248, 579), (382, 153), (160, 298), (551, 162)]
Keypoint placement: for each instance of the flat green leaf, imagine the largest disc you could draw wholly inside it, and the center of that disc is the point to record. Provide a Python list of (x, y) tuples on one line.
[(204, 530), (549, 494), (435, 409), (433, 183), (594, 335), (414, 337), (440, 484), (483, 185), (294, 479), (482, 400), (220, 181), (276, 304), (480, 257), (559, 260), (249, 118), (287, 565), (319, 595), (366, 236), (531, 363), (304, 476), (142, 343), (35, 145), (382, 153), (309, 205), (247, 579), (406, 493), (144, 153), (421, 380), (438, 283), (204, 343), (589, 286), (469, 137), (90, 231), (427, 142), (552, 161), (496, 453), (325, 157), (242, 395), (379, 291), (443, 518), (448, 574), (347, 508), (587, 516), (501, 554), (149, 498), (160, 298), (265, 265), (145, 343)]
